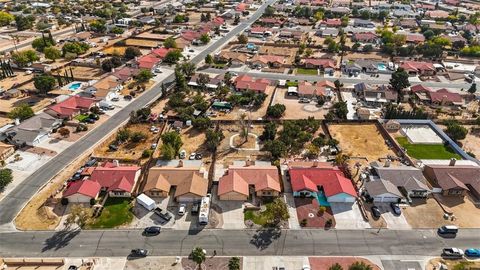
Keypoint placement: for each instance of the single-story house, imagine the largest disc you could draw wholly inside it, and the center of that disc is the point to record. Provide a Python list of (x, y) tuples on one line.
[(211, 84), (363, 23), (454, 180), (33, 131), (264, 61), (324, 64), (118, 181), (148, 61), (336, 22), (419, 68), (247, 83), (328, 32), (82, 191), (444, 97), (189, 183), (235, 185), (235, 58), (367, 37), (308, 90), (125, 74), (376, 94), (104, 86), (71, 107), (314, 179)]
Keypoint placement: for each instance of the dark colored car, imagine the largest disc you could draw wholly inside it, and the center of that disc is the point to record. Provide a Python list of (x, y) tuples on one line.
[(376, 212), (91, 162), (113, 147), (163, 214), (139, 252), (89, 120), (94, 116), (128, 97), (153, 230), (195, 209), (396, 209), (72, 267), (198, 156)]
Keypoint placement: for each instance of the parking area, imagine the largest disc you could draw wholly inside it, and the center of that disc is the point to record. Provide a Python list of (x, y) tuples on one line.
[(232, 214), (348, 216), (393, 221)]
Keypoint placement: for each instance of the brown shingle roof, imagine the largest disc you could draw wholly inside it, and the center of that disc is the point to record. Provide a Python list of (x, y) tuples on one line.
[(187, 180)]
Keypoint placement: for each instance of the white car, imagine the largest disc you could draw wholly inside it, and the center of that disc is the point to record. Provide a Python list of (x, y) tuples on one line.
[(192, 156), (181, 209), (29, 71)]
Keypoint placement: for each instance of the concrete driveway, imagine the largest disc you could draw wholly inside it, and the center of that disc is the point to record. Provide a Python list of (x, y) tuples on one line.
[(232, 214), (348, 216), (393, 221)]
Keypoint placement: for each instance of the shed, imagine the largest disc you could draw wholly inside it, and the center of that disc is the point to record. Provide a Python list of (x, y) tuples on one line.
[(221, 105), (146, 202)]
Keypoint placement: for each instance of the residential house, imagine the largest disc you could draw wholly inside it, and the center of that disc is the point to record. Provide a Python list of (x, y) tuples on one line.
[(247, 83), (259, 32), (376, 95), (291, 35), (33, 131), (321, 180), (392, 125), (443, 97), (414, 38), (82, 191), (324, 64), (308, 90), (363, 23), (366, 37), (235, 58), (394, 183), (212, 83), (363, 113), (105, 86), (241, 182), (454, 180), (271, 22), (419, 68), (71, 107), (436, 14), (188, 183), (125, 74), (332, 22), (117, 180), (6, 150), (265, 61), (148, 61), (327, 32), (408, 23)]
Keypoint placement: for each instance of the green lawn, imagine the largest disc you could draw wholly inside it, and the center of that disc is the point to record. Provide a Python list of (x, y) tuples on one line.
[(427, 151), (305, 71), (292, 84), (117, 211), (261, 218), (81, 117)]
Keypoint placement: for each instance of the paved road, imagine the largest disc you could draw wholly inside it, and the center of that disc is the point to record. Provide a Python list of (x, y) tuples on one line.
[(343, 79), (233, 242), (28, 42), (15, 200)]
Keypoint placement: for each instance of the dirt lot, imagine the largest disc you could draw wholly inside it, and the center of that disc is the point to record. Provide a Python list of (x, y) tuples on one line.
[(466, 213), (429, 214), (36, 217), (361, 140), (226, 155), (296, 110), (118, 50), (472, 142), (128, 151), (452, 264), (254, 114), (85, 73), (20, 77), (37, 103)]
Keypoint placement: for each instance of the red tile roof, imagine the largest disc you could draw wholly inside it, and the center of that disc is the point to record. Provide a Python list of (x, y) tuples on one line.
[(161, 52), (148, 61), (367, 36), (245, 82), (125, 73), (72, 105), (306, 88), (87, 187), (330, 179), (333, 22), (241, 7), (110, 176), (419, 88), (443, 95), (326, 63), (417, 66)]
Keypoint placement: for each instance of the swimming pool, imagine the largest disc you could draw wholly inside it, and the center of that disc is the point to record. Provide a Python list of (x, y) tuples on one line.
[(381, 66), (322, 199), (74, 86)]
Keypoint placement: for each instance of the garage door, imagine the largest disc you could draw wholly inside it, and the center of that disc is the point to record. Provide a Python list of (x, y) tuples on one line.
[(385, 199), (341, 198), (188, 199)]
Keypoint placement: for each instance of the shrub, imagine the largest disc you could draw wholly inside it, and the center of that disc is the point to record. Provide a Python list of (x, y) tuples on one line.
[(138, 136), (321, 210), (92, 201), (64, 201), (147, 153), (329, 223), (303, 222)]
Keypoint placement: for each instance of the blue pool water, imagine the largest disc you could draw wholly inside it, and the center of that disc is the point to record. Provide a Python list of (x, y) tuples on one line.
[(74, 86), (381, 66), (322, 199)]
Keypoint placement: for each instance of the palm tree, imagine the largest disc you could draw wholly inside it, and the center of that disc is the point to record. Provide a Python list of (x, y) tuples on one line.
[(359, 266), (198, 256), (335, 266)]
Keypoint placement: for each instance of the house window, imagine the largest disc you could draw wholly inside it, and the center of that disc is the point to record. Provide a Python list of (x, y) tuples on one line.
[(267, 193), (117, 193), (455, 192)]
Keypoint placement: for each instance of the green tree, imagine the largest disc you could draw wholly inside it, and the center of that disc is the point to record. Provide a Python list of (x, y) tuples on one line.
[(205, 38), (276, 148), (123, 135), (269, 132), (23, 58), (168, 153), (6, 177), (132, 52), (98, 26), (52, 53), (279, 212), (188, 69), (473, 88), (202, 123), (335, 266), (276, 111), (399, 81), (6, 18), (138, 136), (144, 76), (455, 131), (41, 43), (44, 83), (340, 109), (75, 47), (117, 30), (242, 39), (269, 11), (173, 139), (318, 16), (208, 59), (198, 256), (360, 266), (172, 57), (21, 112), (170, 43), (24, 22), (213, 139), (234, 263)]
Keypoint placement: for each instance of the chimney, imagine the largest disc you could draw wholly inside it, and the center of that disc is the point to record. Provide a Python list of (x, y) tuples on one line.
[(115, 163), (452, 162), (180, 163), (387, 163)]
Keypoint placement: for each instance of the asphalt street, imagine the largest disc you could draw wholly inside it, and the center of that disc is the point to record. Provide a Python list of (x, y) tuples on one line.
[(24, 44), (17, 198), (343, 79), (238, 242)]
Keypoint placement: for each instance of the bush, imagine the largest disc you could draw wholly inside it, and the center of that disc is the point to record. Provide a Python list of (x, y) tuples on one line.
[(303, 222), (5, 177), (92, 202), (329, 223), (321, 210), (81, 127), (64, 201), (64, 132), (147, 153), (138, 137), (21, 112), (276, 111)]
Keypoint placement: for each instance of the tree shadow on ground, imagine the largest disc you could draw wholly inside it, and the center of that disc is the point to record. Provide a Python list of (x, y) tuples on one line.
[(60, 239), (263, 238)]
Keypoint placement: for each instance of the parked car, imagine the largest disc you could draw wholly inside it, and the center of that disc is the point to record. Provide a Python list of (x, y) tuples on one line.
[(396, 209), (115, 99), (304, 100), (452, 252), (181, 209), (72, 267), (182, 154), (163, 214), (195, 209), (139, 252), (472, 252), (198, 156), (90, 162), (157, 70), (89, 120), (127, 97), (152, 230), (93, 116), (192, 156), (113, 147), (448, 230), (376, 212)]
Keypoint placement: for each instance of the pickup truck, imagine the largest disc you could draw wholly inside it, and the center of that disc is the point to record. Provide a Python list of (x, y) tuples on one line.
[(452, 253), (163, 214)]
